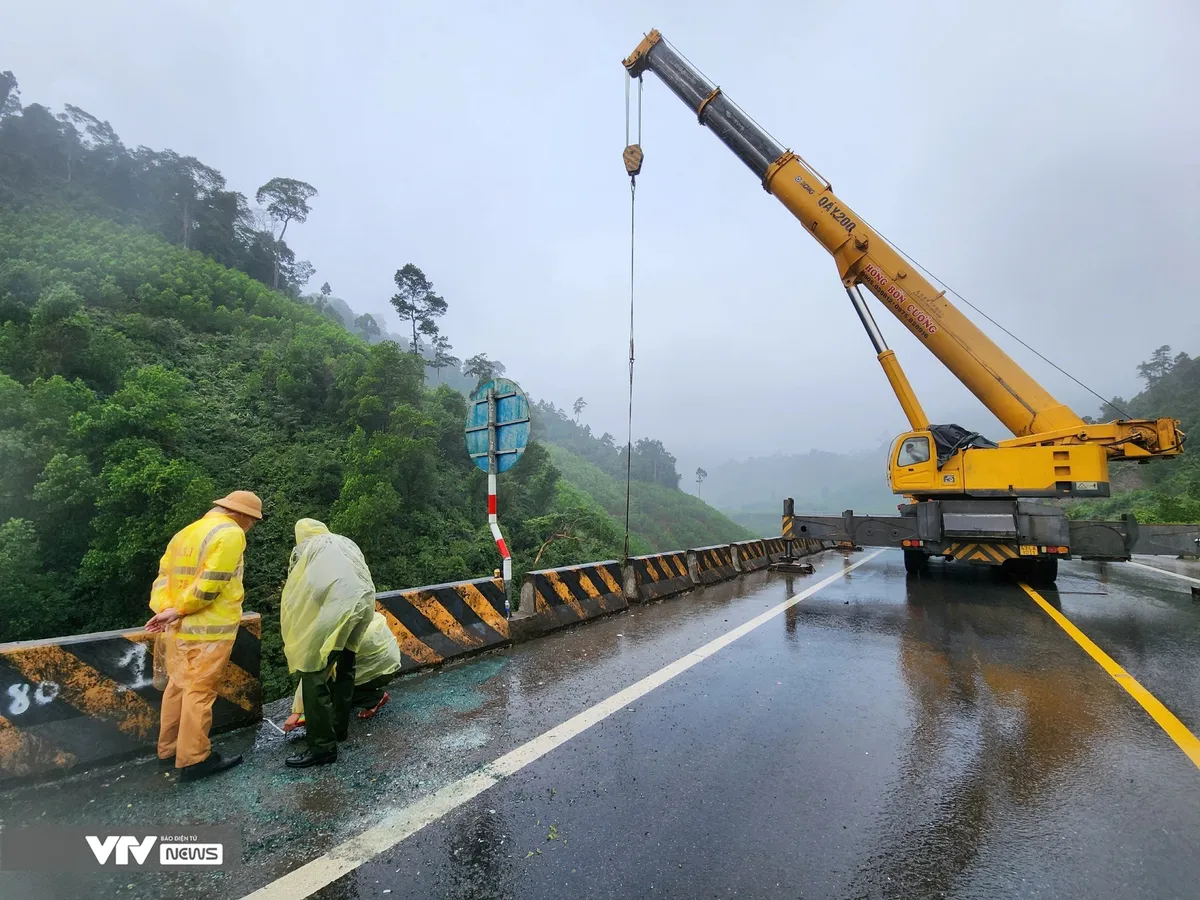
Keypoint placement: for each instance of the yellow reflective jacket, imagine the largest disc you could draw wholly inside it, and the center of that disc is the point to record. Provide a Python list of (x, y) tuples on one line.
[(201, 576)]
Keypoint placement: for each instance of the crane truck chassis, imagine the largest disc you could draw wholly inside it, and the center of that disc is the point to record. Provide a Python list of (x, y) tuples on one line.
[(1028, 541)]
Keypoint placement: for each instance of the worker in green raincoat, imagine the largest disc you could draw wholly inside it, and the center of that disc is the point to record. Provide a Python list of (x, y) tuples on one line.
[(326, 609), (375, 664)]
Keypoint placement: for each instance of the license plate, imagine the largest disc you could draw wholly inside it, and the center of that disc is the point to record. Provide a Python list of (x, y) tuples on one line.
[(1029, 550)]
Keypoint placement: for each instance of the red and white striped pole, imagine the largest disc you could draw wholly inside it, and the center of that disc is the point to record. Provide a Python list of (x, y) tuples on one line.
[(492, 467), (495, 526)]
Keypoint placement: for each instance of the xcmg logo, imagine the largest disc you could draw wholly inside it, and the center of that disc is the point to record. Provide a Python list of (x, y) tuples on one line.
[(125, 850)]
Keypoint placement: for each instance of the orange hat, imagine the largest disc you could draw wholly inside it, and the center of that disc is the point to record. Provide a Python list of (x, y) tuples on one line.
[(243, 502)]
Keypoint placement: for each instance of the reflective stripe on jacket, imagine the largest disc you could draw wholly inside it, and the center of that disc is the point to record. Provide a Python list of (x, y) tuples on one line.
[(201, 576)]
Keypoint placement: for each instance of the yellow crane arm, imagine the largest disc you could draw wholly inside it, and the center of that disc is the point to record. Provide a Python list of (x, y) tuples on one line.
[(1029, 411)]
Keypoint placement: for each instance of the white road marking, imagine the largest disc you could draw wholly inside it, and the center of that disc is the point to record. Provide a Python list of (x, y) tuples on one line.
[(1162, 571), (407, 821)]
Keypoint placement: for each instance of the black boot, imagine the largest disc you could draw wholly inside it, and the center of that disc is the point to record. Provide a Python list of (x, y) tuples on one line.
[(308, 758), (211, 766)]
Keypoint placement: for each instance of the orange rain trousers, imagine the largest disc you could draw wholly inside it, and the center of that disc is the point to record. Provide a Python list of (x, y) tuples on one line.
[(194, 670)]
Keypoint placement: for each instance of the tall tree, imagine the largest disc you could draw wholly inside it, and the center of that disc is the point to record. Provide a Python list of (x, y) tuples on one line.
[(441, 355), (482, 368), (700, 476), (579, 406), (10, 95), (416, 302), (1158, 365), (188, 182), (366, 325), (326, 290), (286, 200), (1113, 409)]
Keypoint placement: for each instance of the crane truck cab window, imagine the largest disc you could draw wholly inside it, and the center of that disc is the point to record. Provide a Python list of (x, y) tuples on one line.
[(913, 450)]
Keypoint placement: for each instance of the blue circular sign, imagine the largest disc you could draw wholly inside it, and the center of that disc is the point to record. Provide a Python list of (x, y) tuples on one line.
[(497, 425)]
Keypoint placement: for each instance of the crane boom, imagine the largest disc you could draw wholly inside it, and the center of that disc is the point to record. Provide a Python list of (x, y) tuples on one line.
[(862, 256)]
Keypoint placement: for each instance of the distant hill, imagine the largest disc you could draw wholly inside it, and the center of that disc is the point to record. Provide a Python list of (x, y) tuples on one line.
[(661, 518), (751, 491)]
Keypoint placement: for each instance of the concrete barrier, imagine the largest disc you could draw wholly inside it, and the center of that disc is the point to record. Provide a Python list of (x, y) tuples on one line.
[(441, 621), (88, 699), (708, 565), (555, 598), (776, 547), (750, 556), (656, 576)]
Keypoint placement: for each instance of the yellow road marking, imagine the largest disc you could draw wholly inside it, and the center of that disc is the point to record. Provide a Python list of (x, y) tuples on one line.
[(1166, 720)]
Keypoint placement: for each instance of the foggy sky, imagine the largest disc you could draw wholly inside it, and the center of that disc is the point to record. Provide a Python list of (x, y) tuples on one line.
[(1038, 156)]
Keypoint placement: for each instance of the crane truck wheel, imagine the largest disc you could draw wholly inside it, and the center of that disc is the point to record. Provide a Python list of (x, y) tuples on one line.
[(915, 561)]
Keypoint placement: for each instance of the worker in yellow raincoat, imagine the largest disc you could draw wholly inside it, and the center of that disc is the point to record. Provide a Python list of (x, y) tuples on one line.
[(197, 601), (327, 605), (375, 664)]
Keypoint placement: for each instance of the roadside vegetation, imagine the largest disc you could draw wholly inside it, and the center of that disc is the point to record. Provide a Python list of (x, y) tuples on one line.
[(156, 352), (1162, 492)]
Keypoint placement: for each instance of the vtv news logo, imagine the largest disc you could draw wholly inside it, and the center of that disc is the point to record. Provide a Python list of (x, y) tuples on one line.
[(124, 848)]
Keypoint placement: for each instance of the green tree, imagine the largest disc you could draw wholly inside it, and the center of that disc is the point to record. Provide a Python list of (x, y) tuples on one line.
[(416, 303), (442, 357), (578, 407), (10, 95), (1113, 409), (1156, 368), (26, 598), (286, 200), (187, 182), (482, 369), (700, 476), (367, 327)]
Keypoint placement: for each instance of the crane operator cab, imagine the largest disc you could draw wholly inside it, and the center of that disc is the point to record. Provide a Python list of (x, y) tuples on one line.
[(947, 460)]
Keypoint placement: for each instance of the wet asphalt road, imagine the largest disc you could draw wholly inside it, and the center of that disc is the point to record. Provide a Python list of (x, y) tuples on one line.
[(883, 738)]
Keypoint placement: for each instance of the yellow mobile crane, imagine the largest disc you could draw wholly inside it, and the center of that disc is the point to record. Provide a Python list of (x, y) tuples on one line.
[(970, 498)]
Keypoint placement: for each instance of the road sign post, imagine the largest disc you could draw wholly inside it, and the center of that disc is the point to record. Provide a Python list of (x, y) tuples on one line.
[(497, 433)]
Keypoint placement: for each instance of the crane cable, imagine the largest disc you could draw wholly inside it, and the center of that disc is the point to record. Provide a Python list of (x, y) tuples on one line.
[(633, 165)]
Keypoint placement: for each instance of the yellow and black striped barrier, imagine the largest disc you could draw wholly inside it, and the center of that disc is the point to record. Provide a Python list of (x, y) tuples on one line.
[(750, 556), (777, 547), (708, 565), (89, 699), (656, 576), (441, 621), (555, 598), (981, 552)]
